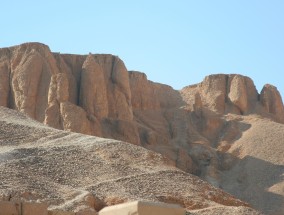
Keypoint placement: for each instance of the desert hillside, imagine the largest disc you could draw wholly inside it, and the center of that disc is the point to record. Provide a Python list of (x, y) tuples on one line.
[(222, 130), (72, 171)]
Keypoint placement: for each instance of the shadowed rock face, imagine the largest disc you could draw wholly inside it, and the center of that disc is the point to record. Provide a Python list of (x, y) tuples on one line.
[(94, 94)]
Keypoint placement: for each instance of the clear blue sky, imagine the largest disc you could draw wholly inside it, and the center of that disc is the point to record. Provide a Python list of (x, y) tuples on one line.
[(174, 42)]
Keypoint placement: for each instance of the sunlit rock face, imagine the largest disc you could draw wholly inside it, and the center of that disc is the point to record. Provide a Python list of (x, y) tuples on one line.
[(194, 128)]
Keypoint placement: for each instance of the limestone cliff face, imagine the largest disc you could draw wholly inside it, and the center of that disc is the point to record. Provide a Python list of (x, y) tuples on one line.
[(95, 94), (219, 95), (223, 94), (272, 102)]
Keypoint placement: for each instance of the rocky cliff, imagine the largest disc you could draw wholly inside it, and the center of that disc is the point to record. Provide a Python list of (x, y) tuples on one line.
[(94, 94), (80, 174)]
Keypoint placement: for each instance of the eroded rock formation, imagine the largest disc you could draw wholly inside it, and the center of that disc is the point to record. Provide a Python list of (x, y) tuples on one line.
[(95, 94)]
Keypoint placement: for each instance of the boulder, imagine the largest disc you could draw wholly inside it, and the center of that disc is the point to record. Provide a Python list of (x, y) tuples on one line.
[(74, 118), (143, 208), (10, 208)]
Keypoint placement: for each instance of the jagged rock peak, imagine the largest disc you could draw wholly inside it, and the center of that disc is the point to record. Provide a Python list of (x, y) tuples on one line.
[(233, 93), (272, 101), (90, 62)]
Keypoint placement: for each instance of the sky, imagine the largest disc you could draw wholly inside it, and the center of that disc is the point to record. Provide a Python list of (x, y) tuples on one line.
[(175, 42)]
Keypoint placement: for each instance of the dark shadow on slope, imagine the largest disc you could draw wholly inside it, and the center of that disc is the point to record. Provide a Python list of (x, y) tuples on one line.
[(256, 181)]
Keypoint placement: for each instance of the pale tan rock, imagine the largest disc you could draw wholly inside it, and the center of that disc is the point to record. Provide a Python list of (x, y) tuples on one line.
[(74, 118), (10, 208), (71, 75), (272, 101), (143, 208), (238, 93), (120, 77), (32, 65), (25, 79), (58, 89), (62, 91), (123, 108), (53, 116), (252, 94), (216, 90), (126, 106), (58, 93), (118, 89), (213, 90), (144, 95), (167, 96), (32, 208), (147, 95), (93, 94)]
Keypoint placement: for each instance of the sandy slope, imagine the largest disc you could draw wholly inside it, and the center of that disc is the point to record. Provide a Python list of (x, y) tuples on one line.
[(258, 176), (69, 169), (225, 211)]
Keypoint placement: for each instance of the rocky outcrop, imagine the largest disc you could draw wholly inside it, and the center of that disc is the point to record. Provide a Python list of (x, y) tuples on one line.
[(238, 94), (31, 67), (95, 94), (222, 94), (272, 102), (213, 92), (117, 85), (45, 85), (144, 95)]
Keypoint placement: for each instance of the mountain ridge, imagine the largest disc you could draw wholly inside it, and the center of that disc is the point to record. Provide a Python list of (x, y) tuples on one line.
[(196, 128)]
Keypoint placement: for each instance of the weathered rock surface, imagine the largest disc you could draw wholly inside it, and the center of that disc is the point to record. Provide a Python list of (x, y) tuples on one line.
[(80, 173), (10, 208), (94, 94), (223, 94), (143, 208), (272, 102)]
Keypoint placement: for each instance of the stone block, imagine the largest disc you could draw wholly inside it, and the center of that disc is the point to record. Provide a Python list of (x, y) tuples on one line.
[(143, 208), (32, 208), (10, 208)]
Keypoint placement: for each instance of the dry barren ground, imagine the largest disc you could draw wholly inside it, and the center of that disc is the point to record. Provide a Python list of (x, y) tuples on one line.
[(69, 170)]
